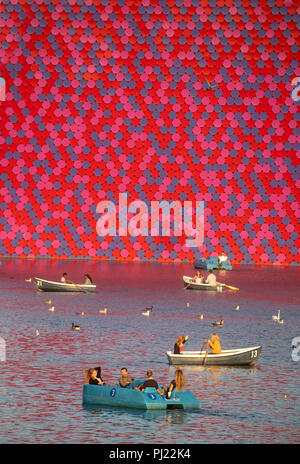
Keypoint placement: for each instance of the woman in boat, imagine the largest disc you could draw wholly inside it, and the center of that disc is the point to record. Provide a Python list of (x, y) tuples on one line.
[(177, 383), (93, 377), (150, 382), (88, 280), (214, 344), (178, 347), (198, 278)]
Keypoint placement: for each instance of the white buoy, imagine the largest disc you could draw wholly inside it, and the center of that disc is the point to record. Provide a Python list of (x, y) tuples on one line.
[(237, 308), (201, 317)]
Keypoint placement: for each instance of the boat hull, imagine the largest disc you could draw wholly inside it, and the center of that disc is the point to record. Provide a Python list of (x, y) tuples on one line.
[(238, 357), (117, 396), (190, 285), (49, 286)]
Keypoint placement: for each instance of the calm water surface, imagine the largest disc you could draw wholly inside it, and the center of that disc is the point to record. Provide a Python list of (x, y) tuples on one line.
[(42, 378)]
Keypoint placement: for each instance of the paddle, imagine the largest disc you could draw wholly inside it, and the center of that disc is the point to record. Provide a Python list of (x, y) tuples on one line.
[(205, 357), (189, 284), (229, 286), (79, 286)]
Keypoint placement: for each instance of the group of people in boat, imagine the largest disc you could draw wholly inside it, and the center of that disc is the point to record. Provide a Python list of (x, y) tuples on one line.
[(93, 377), (213, 343), (210, 280), (64, 279)]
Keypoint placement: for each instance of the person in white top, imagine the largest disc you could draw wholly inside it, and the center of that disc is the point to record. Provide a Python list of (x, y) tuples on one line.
[(222, 258), (211, 279), (198, 278)]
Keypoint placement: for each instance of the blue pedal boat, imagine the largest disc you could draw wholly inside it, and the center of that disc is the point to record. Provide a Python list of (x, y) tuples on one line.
[(211, 263), (129, 398)]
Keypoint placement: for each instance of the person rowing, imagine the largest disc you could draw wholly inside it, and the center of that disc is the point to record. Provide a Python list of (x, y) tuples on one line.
[(64, 279), (214, 344), (211, 279)]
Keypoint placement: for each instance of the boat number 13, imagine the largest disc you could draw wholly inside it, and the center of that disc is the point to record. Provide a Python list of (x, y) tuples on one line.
[(254, 354)]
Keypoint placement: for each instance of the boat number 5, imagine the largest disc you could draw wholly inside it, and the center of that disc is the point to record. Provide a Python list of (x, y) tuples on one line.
[(152, 396), (254, 354), (113, 392)]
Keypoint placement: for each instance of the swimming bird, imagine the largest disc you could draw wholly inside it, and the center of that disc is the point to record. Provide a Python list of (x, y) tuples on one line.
[(149, 309), (75, 327), (146, 313), (219, 323), (37, 332), (48, 302), (28, 280), (280, 321), (51, 309), (103, 311)]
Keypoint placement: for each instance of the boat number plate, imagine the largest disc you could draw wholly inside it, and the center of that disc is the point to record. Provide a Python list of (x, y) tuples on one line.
[(254, 354), (113, 392), (151, 396)]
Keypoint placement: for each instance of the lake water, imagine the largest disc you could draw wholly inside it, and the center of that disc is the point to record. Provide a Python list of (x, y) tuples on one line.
[(42, 378)]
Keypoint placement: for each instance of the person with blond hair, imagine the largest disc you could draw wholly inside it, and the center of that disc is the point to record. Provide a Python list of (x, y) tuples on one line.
[(91, 377), (178, 347), (177, 383), (214, 344)]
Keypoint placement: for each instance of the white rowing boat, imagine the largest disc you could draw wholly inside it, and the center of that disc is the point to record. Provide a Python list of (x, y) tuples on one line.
[(235, 357)]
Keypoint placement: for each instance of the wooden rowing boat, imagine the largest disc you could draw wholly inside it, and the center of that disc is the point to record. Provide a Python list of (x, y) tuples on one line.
[(127, 397), (235, 357), (50, 286), (190, 283)]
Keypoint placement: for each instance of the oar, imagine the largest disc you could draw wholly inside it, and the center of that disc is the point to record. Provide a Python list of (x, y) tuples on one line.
[(229, 286), (193, 280), (205, 357), (78, 286), (202, 346)]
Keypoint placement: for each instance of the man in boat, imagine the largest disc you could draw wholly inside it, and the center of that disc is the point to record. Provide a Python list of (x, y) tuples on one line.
[(211, 279), (222, 258), (64, 279), (150, 382), (125, 379)]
